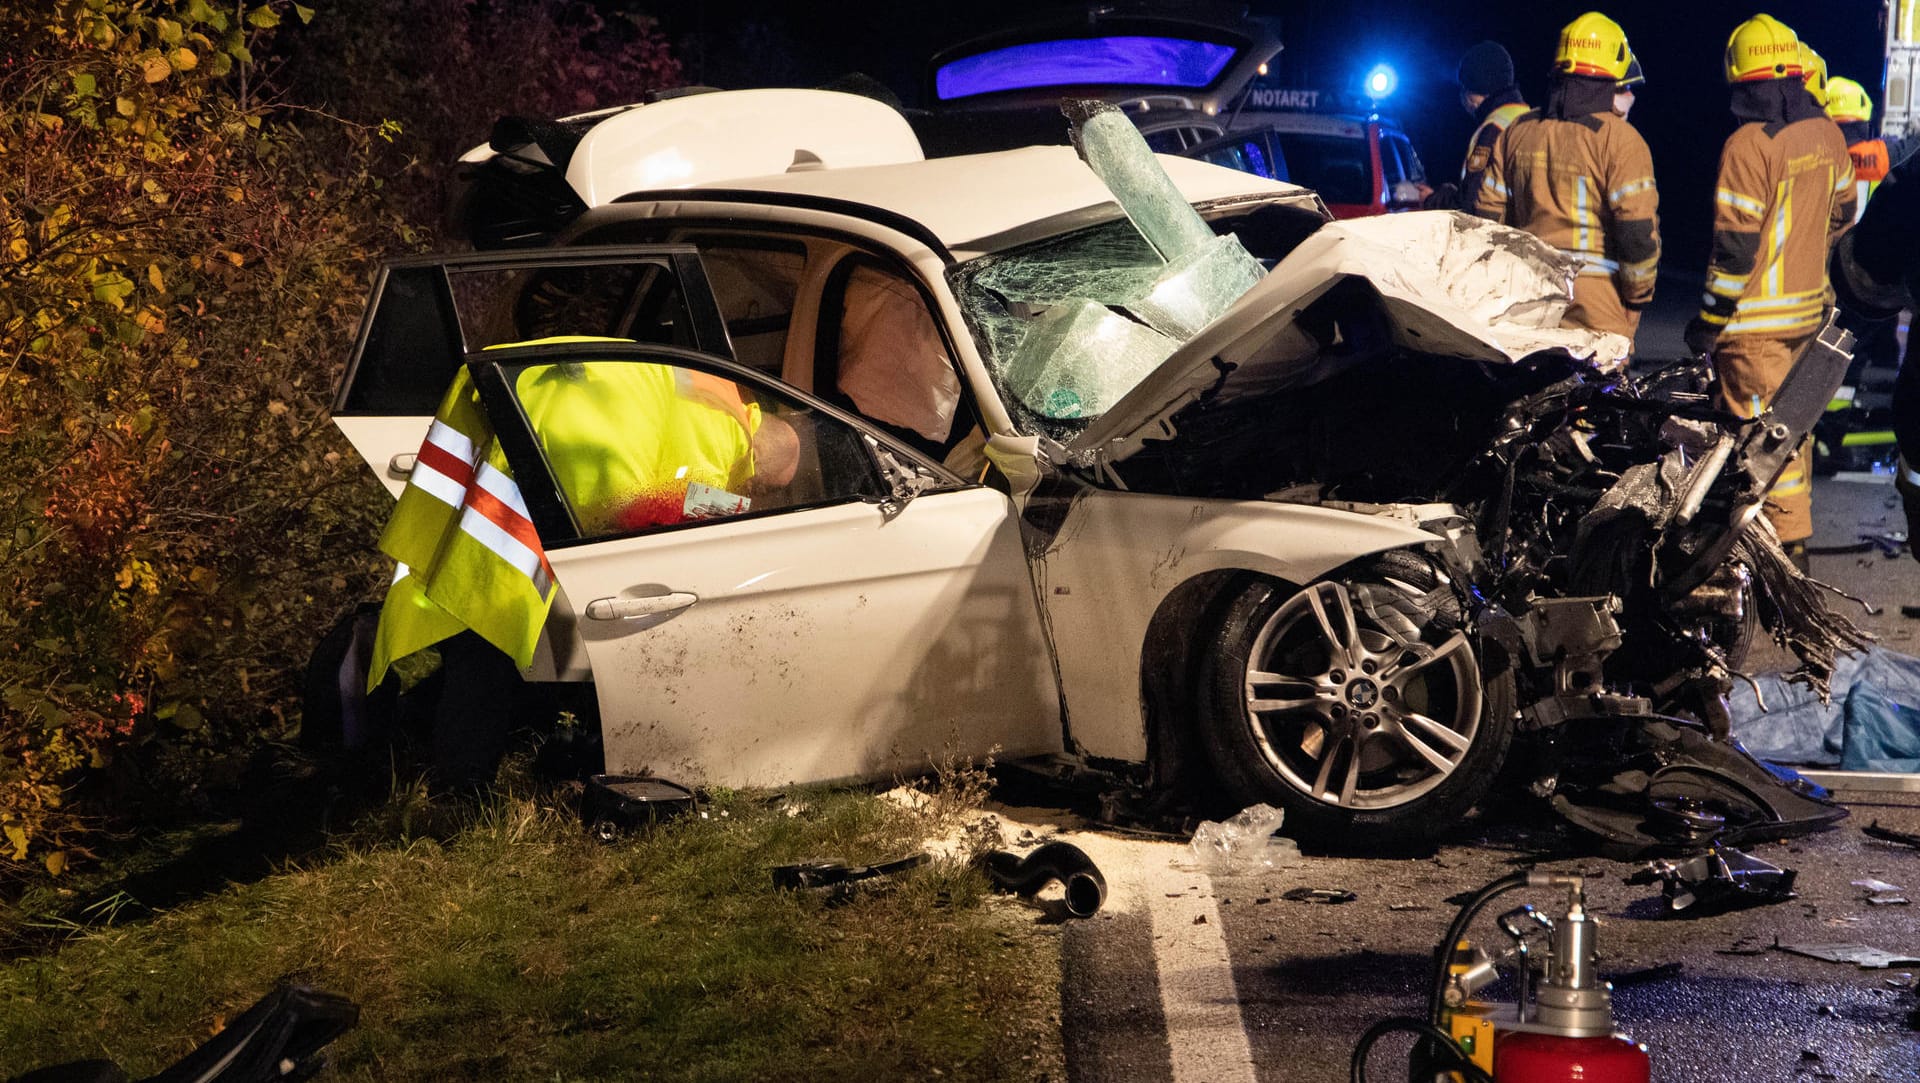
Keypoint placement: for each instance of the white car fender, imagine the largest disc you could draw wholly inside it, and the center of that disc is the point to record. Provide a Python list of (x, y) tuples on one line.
[(1101, 581)]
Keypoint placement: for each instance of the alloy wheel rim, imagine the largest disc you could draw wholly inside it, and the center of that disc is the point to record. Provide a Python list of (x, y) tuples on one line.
[(1352, 716)]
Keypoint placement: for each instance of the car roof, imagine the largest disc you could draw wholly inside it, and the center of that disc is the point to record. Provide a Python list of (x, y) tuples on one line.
[(978, 203)]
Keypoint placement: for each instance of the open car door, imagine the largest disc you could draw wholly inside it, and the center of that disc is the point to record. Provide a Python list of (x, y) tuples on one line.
[(768, 591), (428, 312)]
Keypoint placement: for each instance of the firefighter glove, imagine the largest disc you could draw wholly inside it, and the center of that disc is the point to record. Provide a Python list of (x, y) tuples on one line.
[(1701, 336)]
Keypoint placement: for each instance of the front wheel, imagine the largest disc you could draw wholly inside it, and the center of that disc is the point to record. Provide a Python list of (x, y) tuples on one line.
[(1359, 704)]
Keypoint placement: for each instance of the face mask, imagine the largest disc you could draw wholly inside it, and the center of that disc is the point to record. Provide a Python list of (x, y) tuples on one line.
[(1622, 103)]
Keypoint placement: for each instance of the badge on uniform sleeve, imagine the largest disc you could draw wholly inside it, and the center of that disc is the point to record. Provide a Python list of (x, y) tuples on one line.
[(1477, 161)]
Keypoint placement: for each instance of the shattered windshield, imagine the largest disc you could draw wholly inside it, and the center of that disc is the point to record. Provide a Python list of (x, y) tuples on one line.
[(1069, 326)]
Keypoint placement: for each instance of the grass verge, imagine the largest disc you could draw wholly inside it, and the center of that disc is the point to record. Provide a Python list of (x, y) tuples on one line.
[(499, 942)]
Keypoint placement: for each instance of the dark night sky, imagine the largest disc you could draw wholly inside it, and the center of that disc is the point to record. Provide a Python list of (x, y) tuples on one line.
[(1682, 111)]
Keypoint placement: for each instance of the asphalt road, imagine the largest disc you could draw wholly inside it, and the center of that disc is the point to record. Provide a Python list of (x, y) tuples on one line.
[(1188, 978), (1185, 977)]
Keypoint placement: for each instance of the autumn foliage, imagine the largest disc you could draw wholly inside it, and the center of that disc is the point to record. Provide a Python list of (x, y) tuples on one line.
[(190, 211)]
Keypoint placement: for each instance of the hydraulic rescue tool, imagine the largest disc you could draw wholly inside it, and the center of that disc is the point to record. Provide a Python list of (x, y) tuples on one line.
[(1559, 1029)]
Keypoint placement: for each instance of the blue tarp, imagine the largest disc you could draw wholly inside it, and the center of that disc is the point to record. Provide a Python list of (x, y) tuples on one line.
[(1870, 723)]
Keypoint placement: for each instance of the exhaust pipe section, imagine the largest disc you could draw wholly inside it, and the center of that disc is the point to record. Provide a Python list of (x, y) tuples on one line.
[(1026, 876)]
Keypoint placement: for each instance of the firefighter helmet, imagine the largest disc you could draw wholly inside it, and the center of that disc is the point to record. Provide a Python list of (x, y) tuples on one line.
[(1762, 48), (1813, 71), (1593, 45), (1848, 100)]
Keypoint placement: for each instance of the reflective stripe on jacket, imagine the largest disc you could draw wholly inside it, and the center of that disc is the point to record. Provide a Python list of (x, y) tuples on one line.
[(1780, 200), (1584, 186)]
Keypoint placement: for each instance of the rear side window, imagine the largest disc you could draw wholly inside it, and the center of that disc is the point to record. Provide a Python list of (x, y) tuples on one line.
[(755, 284), (1248, 156)]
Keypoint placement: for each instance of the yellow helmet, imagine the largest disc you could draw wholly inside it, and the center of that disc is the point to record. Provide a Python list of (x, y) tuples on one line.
[(1813, 71), (1762, 48), (1593, 45), (1848, 100)]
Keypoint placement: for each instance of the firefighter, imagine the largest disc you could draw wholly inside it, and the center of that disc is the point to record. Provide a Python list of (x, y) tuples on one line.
[(1785, 191), (1488, 94), (1579, 177), (1813, 74), (1873, 159), (1876, 270)]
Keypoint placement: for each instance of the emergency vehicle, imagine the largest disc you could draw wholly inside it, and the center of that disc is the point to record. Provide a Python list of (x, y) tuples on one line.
[(1360, 162)]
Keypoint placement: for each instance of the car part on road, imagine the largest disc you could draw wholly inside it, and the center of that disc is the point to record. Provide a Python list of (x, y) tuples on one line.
[(1326, 896), (831, 872), (1888, 834), (1719, 880), (1881, 893), (1244, 843), (1866, 958), (613, 804), (279, 1038), (1085, 889), (1658, 785)]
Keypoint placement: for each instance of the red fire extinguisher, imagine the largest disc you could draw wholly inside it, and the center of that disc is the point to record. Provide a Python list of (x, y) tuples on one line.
[(1570, 1038), (1560, 1028)]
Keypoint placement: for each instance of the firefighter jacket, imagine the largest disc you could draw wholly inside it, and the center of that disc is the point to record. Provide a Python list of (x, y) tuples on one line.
[(1786, 190), (1583, 183), (1873, 159), (1494, 116)]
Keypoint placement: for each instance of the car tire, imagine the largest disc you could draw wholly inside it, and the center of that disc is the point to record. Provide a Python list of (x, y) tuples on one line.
[(336, 712), (1399, 719)]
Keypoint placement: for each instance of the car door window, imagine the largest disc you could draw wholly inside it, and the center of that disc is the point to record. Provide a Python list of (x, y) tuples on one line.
[(427, 313), (1391, 172), (636, 302), (638, 446), (1409, 161)]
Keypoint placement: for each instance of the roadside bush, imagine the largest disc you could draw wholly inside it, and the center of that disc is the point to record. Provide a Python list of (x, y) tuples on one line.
[(195, 194), (179, 272), (461, 64)]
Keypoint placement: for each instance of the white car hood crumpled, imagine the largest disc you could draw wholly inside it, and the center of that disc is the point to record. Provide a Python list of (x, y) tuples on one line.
[(1450, 284)]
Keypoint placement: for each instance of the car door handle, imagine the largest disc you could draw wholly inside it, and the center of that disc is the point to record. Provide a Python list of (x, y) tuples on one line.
[(655, 605), (401, 465)]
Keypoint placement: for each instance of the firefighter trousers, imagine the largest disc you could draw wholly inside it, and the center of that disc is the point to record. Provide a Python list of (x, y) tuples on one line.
[(1597, 307), (1751, 369)]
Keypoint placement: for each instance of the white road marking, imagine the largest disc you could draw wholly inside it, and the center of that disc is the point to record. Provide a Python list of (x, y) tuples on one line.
[(1206, 1036)]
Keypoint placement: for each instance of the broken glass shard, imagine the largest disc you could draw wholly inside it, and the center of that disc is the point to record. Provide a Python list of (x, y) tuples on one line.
[(1078, 358), (1196, 288), (1118, 154)]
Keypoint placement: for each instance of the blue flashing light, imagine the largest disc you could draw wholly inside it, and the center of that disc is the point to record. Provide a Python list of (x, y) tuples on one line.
[(1382, 81), (1127, 60)]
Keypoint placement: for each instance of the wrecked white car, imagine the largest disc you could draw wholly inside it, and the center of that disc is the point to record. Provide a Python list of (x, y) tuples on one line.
[(1114, 460)]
